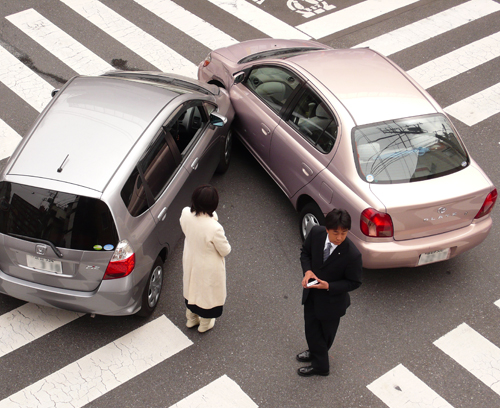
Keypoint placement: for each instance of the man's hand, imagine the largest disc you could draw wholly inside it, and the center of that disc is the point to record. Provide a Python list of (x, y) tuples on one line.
[(310, 275)]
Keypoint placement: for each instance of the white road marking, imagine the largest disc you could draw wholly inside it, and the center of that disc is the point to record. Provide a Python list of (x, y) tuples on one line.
[(457, 62), (473, 352), (63, 46), (399, 387), (23, 81), (350, 16), (9, 139), (259, 19), (132, 37), (430, 27), (30, 322), (202, 31), (88, 378), (221, 393)]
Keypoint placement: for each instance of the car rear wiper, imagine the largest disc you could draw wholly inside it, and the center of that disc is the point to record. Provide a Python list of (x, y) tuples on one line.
[(40, 241)]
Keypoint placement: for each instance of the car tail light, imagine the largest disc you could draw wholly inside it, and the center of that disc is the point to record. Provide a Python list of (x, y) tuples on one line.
[(374, 223), (122, 262), (207, 60), (488, 204)]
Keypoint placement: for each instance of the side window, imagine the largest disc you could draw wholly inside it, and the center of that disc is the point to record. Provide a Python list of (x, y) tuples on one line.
[(272, 84), (314, 122)]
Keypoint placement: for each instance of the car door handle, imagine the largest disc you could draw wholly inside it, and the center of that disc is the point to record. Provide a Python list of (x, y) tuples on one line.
[(162, 214), (265, 129), (306, 170), (194, 164)]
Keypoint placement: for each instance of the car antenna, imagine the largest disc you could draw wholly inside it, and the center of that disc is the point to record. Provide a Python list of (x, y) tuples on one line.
[(62, 164)]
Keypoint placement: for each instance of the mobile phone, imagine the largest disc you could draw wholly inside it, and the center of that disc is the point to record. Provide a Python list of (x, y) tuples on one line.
[(312, 282)]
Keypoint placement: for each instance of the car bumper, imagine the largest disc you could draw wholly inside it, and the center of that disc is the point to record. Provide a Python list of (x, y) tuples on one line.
[(400, 254)]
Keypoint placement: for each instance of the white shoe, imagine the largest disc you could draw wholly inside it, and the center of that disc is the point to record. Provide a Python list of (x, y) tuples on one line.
[(192, 319), (206, 324)]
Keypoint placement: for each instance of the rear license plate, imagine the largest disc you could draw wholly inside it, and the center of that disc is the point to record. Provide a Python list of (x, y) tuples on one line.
[(434, 256), (44, 264)]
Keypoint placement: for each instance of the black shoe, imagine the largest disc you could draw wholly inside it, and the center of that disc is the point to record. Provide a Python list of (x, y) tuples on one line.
[(310, 371), (304, 357)]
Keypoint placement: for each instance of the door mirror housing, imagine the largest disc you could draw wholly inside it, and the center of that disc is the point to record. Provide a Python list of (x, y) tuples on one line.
[(238, 77), (217, 119)]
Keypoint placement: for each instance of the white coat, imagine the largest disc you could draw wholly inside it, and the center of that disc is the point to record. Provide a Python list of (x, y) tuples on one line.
[(205, 246)]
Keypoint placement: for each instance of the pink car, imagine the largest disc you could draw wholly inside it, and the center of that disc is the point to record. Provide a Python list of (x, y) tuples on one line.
[(348, 128)]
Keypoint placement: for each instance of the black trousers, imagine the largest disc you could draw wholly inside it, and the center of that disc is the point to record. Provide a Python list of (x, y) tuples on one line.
[(320, 335)]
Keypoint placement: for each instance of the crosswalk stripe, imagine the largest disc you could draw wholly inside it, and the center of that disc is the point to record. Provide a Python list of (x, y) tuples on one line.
[(221, 393), (350, 16), (23, 81), (473, 352), (30, 322), (430, 27), (59, 43), (99, 372), (477, 107), (9, 139), (457, 62), (197, 28), (259, 19), (132, 37), (399, 387)]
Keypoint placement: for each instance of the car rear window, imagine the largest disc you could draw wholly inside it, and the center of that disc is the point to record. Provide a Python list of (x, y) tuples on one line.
[(408, 150), (66, 220)]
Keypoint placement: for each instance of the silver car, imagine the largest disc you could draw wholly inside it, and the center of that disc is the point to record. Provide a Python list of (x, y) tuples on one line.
[(90, 200), (348, 128)]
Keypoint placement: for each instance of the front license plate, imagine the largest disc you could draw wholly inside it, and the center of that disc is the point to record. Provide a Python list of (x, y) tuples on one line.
[(434, 256), (44, 264)]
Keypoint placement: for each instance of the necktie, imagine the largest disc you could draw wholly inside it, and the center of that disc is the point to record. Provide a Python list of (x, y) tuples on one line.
[(326, 252)]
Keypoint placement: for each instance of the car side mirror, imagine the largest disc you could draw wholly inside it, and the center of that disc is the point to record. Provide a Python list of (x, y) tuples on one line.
[(217, 119), (238, 77)]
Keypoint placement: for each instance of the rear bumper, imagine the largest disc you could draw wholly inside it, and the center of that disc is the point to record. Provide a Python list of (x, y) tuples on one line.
[(400, 254)]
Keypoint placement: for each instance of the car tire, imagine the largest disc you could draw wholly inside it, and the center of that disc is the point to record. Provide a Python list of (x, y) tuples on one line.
[(152, 291), (310, 216), (225, 156)]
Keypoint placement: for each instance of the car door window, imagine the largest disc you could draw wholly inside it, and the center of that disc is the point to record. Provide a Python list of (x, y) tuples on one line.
[(313, 120), (274, 85)]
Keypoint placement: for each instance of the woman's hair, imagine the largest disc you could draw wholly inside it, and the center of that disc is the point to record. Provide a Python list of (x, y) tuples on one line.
[(205, 199)]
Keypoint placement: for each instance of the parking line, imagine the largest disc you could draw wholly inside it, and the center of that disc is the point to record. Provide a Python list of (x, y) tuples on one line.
[(259, 19), (430, 27), (79, 58), (30, 322), (189, 23), (9, 139), (103, 370), (221, 393), (399, 387), (350, 16), (133, 37)]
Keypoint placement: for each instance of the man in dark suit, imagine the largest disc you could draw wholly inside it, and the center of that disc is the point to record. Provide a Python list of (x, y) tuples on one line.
[(331, 259)]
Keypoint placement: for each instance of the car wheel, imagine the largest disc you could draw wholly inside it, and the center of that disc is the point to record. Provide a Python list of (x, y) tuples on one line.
[(152, 291), (310, 216), (225, 156)]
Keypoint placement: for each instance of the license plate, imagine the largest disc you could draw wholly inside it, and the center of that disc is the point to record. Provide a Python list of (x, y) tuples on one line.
[(434, 256), (44, 264)]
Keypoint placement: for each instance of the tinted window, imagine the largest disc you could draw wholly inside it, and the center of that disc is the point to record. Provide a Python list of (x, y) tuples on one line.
[(67, 220), (134, 195), (408, 150), (186, 125)]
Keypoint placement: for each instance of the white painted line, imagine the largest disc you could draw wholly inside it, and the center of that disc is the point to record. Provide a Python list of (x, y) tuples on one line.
[(457, 62), (430, 27), (103, 370), (350, 16), (497, 303), (202, 31), (9, 139), (477, 108), (79, 58), (23, 81), (473, 352), (221, 393), (399, 387), (132, 37), (30, 322), (259, 19)]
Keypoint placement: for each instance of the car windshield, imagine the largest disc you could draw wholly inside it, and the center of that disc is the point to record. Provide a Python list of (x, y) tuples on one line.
[(282, 52), (407, 150), (65, 220)]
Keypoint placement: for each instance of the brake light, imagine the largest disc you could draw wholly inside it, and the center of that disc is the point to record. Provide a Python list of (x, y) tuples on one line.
[(488, 204), (207, 60), (374, 223), (122, 262)]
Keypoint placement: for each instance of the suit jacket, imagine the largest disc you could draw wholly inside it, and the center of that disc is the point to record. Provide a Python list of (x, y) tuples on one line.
[(342, 270)]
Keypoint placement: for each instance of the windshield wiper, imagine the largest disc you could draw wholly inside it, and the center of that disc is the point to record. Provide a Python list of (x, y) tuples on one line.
[(40, 241)]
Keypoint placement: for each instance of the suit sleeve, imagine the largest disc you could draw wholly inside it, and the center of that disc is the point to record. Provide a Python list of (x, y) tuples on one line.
[(305, 254), (352, 277)]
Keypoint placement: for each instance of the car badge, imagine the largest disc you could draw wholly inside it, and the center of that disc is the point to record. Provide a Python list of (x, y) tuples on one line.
[(40, 249), (441, 210)]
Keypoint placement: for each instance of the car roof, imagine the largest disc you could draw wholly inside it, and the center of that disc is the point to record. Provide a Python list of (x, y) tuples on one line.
[(370, 87), (89, 129)]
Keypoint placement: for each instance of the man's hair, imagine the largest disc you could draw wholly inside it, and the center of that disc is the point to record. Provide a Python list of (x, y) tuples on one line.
[(205, 199), (338, 218)]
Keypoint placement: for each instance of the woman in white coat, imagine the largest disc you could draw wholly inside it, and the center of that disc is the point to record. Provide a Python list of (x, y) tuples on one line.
[(205, 246)]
